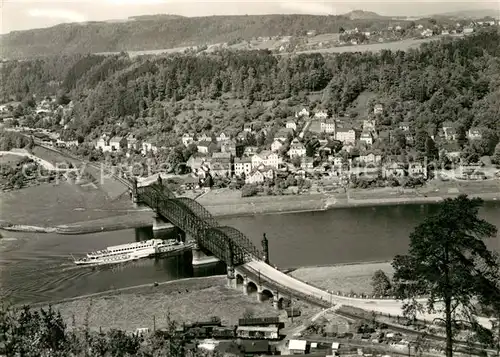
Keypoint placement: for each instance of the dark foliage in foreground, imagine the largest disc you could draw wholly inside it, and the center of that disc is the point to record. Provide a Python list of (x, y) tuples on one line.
[(449, 260), (29, 333)]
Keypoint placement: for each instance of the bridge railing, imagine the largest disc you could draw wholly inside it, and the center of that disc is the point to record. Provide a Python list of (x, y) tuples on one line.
[(286, 290)]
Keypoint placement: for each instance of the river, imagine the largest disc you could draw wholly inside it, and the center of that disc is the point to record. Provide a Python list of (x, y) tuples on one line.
[(38, 267)]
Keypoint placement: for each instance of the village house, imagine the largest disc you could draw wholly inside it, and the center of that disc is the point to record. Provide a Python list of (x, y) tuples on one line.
[(260, 174), (468, 30), (409, 138), (203, 137), (250, 150), (366, 137), (328, 126), (223, 137), (291, 125), (307, 163), (205, 147), (118, 143), (148, 147), (369, 125), (277, 145), (427, 33), (303, 113), (247, 128), (338, 161), (371, 157), (420, 26), (404, 126), (297, 149), (269, 158), (378, 109), (103, 143), (394, 170), (220, 169), (228, 147), (416, 169), (283, 134), (223, 157), (132, 142), (474, 133), (242, 166), (449, 131), (346, 135), (66, 143), (266, 158), (195, 162), (321, 115), (314, 126), (187, 139)]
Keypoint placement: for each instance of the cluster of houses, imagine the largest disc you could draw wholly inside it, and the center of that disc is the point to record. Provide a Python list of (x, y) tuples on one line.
[(108, 143), (226, 157), (220, 155), (223, 155), (352, 35)]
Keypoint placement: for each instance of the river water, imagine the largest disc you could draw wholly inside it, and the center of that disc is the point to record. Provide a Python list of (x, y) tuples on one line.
[(38, 267)]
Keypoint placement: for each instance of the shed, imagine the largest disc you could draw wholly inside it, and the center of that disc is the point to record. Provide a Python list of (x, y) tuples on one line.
[(297, 346)]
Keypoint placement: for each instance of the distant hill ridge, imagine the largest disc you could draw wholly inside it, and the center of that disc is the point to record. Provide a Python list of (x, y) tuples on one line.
[(363, 15), (472, 14), (164, 31), (154, 32)]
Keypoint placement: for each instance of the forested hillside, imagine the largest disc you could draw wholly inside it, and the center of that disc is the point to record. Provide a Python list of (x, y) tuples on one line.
[(163, 97), (160, 32)]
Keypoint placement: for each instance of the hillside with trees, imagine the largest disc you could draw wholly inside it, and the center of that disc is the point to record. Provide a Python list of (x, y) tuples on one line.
[(161, 32), (162, 97)]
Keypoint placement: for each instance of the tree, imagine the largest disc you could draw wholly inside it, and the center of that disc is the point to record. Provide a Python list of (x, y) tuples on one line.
[(381, 283), (449, 261), (496, 154), (431, 150)]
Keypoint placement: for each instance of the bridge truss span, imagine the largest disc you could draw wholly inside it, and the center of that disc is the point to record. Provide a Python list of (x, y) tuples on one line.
[(226, 243)]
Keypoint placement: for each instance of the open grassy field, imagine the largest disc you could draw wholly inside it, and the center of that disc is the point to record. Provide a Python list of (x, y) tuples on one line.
[(344, 278), (188, 300), (10, 160), (403, 45)]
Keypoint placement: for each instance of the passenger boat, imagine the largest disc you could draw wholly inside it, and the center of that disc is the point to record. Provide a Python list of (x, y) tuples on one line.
[(128, 252)]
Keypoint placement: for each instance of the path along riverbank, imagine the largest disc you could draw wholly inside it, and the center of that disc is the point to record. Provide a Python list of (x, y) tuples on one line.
[(227, 203)]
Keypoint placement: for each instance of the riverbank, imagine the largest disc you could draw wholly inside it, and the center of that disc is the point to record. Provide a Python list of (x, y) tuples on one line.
[(182, 301), (186, 300), (222, 203)]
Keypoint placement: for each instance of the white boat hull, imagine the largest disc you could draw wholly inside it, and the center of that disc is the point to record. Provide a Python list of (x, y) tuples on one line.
[(109, 256)]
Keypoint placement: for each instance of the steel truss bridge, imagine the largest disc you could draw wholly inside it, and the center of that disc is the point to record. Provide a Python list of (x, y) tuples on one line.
[(225, 243)]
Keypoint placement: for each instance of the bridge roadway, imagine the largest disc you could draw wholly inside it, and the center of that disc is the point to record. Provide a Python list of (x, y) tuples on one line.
[(306, 292)]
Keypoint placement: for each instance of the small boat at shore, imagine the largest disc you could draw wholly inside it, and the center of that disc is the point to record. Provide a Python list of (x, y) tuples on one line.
[(129, 252)]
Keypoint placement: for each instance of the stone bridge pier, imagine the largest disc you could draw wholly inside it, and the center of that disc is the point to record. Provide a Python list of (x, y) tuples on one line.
[(162, 227), (199, 256), (250, 287)]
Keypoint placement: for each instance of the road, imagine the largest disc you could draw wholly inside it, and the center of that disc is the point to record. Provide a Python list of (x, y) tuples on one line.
[(47, 165), (386, 306)]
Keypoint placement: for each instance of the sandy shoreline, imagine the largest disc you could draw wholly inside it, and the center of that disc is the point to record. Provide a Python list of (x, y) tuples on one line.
[(186, 299), (182, 300)]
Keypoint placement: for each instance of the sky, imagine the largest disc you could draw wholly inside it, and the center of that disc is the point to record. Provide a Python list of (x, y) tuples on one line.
[(29, 14)]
